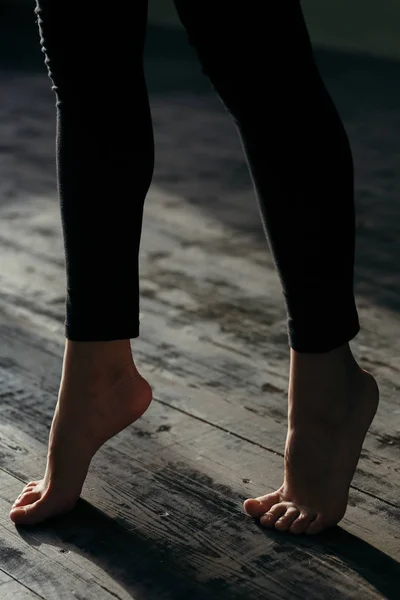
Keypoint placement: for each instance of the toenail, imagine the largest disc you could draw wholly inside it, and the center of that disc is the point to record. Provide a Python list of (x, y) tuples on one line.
[(21, 508)]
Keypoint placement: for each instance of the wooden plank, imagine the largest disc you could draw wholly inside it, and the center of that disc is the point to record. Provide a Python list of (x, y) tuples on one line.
[(201, 551), (192, 348), (214, 345), (187, 492), (378, 466), (10, 589), (38, 565)]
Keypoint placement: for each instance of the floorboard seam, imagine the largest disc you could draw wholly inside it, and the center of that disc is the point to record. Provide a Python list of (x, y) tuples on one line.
[(22, 584)]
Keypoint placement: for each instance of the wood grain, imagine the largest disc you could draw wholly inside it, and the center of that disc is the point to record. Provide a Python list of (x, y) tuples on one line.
[(160, 515)]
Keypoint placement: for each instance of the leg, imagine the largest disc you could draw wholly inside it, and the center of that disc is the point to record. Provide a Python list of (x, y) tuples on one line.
[(104, 150), (301, 165)]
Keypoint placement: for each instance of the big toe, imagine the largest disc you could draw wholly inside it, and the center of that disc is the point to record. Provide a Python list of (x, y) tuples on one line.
[(28, 514), (39, 511), (252, 507), (256, 507)]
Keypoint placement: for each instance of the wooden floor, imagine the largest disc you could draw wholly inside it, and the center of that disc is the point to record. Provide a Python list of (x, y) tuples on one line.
[(160, 515)]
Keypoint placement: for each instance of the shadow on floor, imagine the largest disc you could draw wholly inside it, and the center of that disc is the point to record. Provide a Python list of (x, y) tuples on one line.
[(157, 569)]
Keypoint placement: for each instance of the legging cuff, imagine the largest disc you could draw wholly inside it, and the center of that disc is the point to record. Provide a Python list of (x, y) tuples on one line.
[(82, 332), (318, 330)]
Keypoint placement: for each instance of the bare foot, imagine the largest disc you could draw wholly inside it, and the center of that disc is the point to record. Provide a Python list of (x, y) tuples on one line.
[(332, 402), (101, 393)]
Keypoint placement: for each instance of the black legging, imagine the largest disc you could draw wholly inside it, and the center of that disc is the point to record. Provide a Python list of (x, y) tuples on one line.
[(259, 59)]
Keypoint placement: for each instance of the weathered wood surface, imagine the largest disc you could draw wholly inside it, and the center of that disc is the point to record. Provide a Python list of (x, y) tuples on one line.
[(161, 510)]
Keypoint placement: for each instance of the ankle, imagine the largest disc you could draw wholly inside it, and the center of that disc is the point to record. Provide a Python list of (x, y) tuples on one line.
[(341, 357), (322, 386), (97, 361), (323, 368)]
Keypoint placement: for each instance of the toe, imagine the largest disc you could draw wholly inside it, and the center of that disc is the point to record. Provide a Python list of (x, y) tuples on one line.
[(17, 514), (27, 497), (284, 522), (252, 507), (31, 484), (256, 507), (300, 524), (30, 514), (40, 510), (276, 512)]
